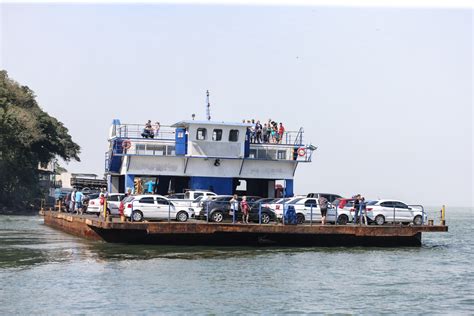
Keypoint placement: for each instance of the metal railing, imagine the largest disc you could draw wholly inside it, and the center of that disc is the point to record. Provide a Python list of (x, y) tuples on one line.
[(138, 131)]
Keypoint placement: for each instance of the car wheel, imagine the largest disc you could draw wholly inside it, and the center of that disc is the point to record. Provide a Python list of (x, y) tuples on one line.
[(417, 220), (299, 218), (342, 219), (379, 220), (217, 216), (182, 216), (137, 216), (265, 218)]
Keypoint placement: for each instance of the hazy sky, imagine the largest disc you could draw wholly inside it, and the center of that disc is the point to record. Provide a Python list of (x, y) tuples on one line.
[(385, 93)]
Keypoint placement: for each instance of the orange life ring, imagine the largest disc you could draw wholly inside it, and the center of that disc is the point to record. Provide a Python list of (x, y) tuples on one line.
[(126, 144), (301, 152)]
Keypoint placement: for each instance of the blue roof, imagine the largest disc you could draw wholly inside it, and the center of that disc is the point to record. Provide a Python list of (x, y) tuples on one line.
[(191, 122)]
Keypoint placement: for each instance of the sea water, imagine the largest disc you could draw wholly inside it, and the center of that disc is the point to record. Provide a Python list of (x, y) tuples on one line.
[(46, 271)]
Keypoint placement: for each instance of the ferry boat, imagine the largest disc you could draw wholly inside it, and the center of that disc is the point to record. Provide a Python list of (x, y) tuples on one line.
[(202, 155)]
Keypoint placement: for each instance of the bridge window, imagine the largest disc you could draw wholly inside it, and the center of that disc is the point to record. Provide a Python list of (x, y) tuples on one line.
[(234, 135), (201, 134), (217, 135)]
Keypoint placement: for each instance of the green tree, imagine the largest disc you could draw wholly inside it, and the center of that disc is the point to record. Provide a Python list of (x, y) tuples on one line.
[(28, 137)]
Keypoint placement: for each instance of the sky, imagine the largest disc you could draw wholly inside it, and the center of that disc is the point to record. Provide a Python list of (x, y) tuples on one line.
[(385, 93)]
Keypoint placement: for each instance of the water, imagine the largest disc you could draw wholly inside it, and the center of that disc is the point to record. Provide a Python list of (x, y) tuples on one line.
[(45, 271)]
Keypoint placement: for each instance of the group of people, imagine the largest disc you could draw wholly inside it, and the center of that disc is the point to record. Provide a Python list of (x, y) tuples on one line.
[(244, 206), (150, 131), (360, 209), (74, 202), (268, 133)]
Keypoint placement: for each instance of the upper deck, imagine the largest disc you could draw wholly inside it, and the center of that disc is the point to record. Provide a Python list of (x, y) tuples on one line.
[(206, 139)]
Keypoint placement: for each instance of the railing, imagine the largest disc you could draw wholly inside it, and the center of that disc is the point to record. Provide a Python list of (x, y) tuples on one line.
[(137, 131), (289, 138), (167, 132)]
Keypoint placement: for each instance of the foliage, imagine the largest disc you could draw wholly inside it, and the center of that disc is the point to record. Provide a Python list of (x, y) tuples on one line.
[(29, 137)]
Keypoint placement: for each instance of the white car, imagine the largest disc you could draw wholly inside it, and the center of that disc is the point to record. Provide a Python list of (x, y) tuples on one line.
[(113, 203), (278, 205), (155, 207), (382, 211), (307, 210)]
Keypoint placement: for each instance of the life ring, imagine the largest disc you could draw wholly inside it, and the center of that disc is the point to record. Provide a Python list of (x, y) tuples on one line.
[(301, 152), (126, 144)]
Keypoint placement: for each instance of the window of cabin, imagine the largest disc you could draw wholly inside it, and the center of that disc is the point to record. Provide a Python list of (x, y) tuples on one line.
[(217, 135), (201, 134), (234, 135)]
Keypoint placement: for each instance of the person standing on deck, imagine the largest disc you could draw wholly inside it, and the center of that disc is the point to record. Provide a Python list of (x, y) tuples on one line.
[(362, 211), (323, 205), (258, 131), (244, 206), (72, 206), (356, 208), (234, 207), (79, 196), (264, 132), (281, 131), (156, 129)]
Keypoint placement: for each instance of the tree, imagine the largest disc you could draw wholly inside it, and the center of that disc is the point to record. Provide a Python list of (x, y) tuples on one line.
[(29, 137)]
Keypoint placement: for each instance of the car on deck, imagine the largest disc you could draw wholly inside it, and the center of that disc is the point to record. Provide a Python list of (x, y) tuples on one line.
[(113, 203), (394, 211), (155, 207), (219, 210), (308, 210)]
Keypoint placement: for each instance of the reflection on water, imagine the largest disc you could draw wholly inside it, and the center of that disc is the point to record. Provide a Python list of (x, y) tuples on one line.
[(207, 280)]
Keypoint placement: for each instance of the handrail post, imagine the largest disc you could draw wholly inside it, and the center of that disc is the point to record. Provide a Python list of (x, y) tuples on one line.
[(335, 220), (232, 207), (169, 211), (394, 216), (259, 213), (207, 212), (443, 214), (311, 216)]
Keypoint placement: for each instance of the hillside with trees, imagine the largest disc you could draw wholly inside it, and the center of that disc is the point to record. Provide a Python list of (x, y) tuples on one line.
[(29, 137)]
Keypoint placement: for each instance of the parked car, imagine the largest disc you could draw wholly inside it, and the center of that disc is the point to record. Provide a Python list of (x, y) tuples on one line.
[(329, 196), (281, 204), (194, 194), (219, 210), (113, 203), (155, 207), (382, 211), (308, 209)]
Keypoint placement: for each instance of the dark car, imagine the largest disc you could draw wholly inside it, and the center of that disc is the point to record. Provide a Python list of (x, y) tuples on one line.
[(219, 210)]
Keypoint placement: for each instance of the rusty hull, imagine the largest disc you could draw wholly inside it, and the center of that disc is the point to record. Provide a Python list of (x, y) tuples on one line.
[(202, 233)]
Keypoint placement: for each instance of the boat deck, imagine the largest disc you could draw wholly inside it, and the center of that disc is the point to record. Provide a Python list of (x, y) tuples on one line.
[(203, 233)]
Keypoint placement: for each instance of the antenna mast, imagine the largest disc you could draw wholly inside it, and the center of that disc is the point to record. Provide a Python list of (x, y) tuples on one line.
[(208, 106)]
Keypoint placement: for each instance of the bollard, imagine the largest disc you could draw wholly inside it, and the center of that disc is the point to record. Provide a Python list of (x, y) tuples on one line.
[(443, 214)]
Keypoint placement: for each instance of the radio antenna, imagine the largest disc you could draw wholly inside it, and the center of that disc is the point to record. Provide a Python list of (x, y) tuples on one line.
[(208, 106)]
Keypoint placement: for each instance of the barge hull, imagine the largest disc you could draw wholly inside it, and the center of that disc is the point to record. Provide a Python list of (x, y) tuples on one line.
[(197, 233)]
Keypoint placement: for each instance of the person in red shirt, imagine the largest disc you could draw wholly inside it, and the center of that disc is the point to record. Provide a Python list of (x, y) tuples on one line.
[(281, 131), (244, 206)]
